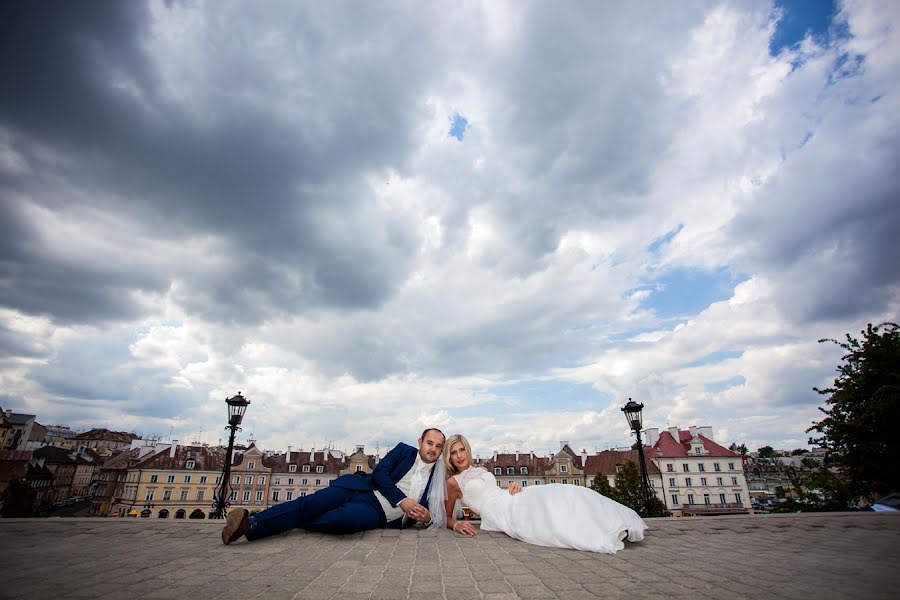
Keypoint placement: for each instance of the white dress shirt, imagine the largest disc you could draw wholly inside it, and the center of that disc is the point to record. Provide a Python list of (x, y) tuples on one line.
[(412, 485)]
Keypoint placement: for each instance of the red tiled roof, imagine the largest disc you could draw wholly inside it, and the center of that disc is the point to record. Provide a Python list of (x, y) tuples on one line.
[(680, 449), (107, 435), (536, 464), (205, 459), (604, 463)]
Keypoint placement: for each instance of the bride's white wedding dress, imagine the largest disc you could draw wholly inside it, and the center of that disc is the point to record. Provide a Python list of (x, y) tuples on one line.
[(555, 515)]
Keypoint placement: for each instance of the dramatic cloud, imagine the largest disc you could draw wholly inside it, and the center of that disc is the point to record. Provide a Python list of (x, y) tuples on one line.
[(503, 219)]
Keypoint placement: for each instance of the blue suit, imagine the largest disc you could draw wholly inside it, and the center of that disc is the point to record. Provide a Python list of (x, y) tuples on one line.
[(348, 504)]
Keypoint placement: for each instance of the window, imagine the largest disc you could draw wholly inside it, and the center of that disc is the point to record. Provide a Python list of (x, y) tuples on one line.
[(184, 494), (703, 481), (259, 496), (170, 479), (702, 467), (150, 494), (731, 466), (275, 496), (303, 494), (563, 468), (290, 495), (552, 481), (262, 480), (359, 468), (685, 468), (688, 481), (234, 495), (510, 470), (523, 470), (167, 495), (154, 478), (576, 482), (251, 465), (292, 468), (218, 480), (203, 479), (248, 480), (670, 467), (690, 498), (277, 481), (187, 479), (672, 482), (737, 498), (674, 499), (706, 499), (566, 481), (318, 482), (498, 471), (304, 481), (618, 468), (247, 496), (306, 468), (734, 481), (697, 450), (189, 464), (718, 481), (320, 469), (716, 467), (524, 484), (537, 482), (290, 481), (199, 494), (236, 479), (498, 483), (722, 498)]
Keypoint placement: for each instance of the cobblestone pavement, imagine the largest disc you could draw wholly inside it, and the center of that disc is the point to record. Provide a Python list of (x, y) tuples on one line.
[(835, 555)]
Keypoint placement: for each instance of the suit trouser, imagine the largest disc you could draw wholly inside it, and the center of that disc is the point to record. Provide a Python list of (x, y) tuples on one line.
[(330, 510)]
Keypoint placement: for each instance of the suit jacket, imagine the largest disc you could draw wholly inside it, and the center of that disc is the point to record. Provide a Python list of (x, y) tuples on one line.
[(386, 474)]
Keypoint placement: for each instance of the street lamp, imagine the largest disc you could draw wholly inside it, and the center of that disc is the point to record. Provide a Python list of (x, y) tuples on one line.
[(632, 412), (237, 405)]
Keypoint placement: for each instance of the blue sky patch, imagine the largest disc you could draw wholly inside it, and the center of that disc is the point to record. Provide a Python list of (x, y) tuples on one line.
[(664, 239), (799, 18), (720, 386), (684, 291), (715, 357), (552, 395), (458, 126)]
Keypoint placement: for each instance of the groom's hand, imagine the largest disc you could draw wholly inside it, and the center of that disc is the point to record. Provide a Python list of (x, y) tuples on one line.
[(514, 488), (414, 510)]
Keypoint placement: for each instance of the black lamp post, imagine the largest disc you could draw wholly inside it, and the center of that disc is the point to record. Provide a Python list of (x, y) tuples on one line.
[(236, 407), (632, 412)]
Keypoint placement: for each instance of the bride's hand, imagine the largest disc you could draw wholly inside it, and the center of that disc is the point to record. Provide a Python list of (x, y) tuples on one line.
[(514, 488), (464, 528)]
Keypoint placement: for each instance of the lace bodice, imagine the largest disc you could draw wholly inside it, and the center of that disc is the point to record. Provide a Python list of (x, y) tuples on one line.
[(479, 488)]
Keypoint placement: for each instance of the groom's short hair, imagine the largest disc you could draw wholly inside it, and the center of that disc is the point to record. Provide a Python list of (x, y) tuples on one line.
[(424, 433)]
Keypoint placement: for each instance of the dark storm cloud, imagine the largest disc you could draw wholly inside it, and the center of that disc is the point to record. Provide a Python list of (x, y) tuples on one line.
[(84, 108)]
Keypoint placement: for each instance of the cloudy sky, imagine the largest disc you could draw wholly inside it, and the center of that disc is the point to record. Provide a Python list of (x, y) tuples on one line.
[(502, 219)]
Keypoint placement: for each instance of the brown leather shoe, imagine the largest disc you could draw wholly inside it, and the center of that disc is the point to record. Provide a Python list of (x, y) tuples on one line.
[(237, 524)]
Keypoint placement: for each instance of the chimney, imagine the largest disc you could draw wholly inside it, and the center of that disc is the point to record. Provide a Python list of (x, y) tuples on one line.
[(651, 434), (673, 431), (495, 456), (287, 456), (693, 430), (583, 458), (517, 456), (173, 448)]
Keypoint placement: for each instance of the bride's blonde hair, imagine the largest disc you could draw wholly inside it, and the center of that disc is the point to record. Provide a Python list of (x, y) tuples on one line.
[(451, 469)]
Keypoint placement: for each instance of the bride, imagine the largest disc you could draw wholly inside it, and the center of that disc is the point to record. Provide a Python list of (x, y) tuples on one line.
[(555, 515)]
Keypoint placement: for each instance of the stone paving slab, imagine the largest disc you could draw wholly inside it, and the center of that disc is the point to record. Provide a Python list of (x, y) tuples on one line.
[(803, 556)]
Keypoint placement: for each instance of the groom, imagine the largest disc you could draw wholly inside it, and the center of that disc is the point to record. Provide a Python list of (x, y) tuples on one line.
[(354, 502)]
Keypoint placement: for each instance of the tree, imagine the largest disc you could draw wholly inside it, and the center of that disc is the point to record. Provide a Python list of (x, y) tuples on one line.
[(742, 449), (799, 452), (863, 410), (17, 499), (629, 492), (816, 491), (600, 484), (766, 452)]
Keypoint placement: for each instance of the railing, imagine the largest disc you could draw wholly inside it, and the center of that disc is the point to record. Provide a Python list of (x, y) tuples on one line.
[(716, 507)]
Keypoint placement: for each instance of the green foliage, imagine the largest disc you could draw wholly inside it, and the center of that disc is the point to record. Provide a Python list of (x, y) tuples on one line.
[(858, 430), (816, 491), (627, 491), (17, 499), (766, 452), (602, 487), (799, 452), (742, 449)]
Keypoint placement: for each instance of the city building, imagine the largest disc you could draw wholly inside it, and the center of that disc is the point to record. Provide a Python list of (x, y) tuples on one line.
[(23, 429), (608, 463), (103, 441), (699, 476)]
